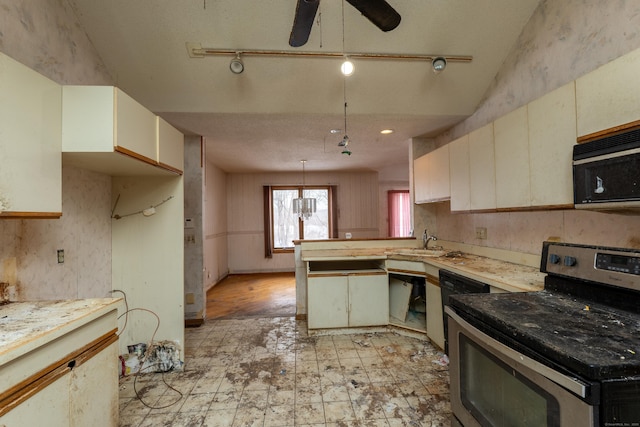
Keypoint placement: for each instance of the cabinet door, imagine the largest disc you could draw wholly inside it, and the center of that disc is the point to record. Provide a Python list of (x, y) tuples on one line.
[(552, 135), (136, 127), (421, 183), (435, 321), (439, 174), (87, 119), (511, 138), (327, 298), (98, 376), (30, 141), (459, 174), (482, 172), (49, 407), (608, 96), (170, 146), (368, 299)]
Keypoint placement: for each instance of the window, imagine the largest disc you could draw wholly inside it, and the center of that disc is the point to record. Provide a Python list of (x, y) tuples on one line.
[(399, 213), (284, 226)]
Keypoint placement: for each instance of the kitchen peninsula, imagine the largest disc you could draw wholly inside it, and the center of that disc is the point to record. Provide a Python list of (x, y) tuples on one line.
[(340, 279)]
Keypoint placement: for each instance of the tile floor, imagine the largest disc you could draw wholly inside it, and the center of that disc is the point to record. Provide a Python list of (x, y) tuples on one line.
[(268, 372)]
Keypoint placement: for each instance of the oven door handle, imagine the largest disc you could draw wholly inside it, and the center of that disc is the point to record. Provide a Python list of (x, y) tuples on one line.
[(572, 384)]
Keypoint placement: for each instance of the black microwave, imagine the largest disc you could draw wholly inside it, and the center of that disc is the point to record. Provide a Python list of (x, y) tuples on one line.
[(606, 172)]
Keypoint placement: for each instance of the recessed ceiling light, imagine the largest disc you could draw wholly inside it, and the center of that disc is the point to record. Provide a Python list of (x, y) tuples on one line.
[(386, 131), (334, 131)]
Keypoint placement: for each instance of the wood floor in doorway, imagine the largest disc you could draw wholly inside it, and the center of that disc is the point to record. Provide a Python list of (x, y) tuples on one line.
[(253, 295)]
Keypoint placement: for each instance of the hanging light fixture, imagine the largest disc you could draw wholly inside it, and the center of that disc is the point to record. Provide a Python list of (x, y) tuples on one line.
[(345, 139), (347, 67), (304, 207)]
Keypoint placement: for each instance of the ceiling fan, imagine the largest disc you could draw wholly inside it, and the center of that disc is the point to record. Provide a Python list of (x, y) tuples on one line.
[(379, 12)]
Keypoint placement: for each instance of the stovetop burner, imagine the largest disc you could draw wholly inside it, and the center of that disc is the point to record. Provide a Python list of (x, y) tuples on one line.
[(581, 335)]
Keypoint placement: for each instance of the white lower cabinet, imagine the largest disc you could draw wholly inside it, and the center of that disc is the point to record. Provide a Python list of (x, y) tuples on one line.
[(435, 321), (347, 299)]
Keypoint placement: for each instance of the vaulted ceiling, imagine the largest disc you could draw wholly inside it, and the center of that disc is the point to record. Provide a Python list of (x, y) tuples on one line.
[(281, 109)]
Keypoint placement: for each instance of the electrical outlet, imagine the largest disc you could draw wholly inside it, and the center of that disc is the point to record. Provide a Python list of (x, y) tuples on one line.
[(481, 232), (60, 256)]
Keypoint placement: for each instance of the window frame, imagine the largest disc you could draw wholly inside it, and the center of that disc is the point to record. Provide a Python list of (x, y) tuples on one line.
[(330, 221)]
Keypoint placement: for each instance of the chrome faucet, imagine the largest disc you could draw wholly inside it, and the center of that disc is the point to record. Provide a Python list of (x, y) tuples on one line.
[(426, 237)]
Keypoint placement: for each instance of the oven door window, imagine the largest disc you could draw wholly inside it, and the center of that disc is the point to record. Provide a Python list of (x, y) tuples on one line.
[(499, 397)]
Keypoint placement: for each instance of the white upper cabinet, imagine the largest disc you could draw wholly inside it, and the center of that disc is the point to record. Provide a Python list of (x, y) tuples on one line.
[(105, 130), (511, 139), (552, 135), (170, 146), (609, 96), (421, 188), (439, 174), (459, 174), (30, 143), (482, 171), (431, 176)]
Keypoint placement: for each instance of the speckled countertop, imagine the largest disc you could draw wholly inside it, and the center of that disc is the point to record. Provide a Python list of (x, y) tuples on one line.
[(504, 275), (28, 325)]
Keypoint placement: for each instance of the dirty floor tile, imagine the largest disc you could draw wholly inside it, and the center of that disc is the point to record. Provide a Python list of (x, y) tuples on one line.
[(268, 372)]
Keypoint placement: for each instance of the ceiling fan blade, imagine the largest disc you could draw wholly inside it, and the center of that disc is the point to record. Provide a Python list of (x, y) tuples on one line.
[(379, 12), (303, 21)]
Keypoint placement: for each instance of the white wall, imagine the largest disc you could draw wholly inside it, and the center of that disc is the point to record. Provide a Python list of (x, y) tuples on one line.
[(29, 247), (193, 236), (357, 213), (148, 257), (216, 260), (563, 41)]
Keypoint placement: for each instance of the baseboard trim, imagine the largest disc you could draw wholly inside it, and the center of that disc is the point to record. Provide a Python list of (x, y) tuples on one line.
[(193, 323)]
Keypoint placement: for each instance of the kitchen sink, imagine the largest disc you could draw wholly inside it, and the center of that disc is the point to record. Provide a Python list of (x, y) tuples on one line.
[(433, 252)]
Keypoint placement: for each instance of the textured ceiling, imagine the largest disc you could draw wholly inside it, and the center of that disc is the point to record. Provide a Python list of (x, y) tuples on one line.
[(280, 109)]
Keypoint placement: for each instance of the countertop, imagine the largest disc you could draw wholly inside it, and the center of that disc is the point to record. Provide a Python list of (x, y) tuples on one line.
[(500, 274), (25, 326)]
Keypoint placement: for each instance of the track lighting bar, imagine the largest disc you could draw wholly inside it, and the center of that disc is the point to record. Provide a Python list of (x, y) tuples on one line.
[(196, 51)]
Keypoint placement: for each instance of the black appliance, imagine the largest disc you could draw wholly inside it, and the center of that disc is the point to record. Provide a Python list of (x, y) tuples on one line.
[(606, 172), (452, 284), (565, 356)]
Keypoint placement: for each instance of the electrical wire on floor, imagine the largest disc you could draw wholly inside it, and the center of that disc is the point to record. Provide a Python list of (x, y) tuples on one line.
[(141, 362)]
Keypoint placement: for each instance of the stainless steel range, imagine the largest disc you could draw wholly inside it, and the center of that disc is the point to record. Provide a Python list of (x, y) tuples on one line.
[(565, 356)]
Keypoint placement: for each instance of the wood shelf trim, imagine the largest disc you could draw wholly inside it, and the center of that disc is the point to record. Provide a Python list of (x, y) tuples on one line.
[(30, 215), (609, 132), (407, 272)]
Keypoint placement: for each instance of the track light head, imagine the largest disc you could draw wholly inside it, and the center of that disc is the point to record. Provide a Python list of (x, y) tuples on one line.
[(236, 65), (439, 64)]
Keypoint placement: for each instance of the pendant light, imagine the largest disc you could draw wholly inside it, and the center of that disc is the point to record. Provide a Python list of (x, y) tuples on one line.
[(347, 70), (345, 140), (304, 207)]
